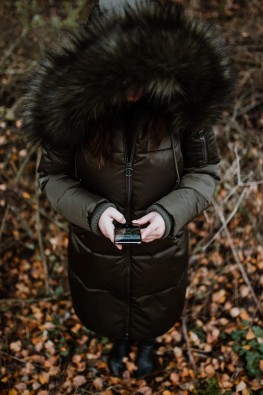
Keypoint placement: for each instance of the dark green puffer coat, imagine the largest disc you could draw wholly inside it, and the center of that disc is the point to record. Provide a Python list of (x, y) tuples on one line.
[(181, 65)]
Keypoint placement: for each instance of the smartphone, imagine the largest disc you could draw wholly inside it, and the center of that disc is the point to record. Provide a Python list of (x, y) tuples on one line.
[(127, 234)]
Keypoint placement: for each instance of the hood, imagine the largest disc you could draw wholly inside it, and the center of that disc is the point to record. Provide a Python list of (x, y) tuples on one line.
[(115, 5), (179, 62)]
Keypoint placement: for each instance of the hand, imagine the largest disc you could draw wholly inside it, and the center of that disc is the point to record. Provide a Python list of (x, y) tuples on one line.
[(156, 228), (106, 223)]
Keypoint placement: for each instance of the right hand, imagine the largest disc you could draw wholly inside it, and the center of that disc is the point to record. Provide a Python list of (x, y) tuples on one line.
[(106, 223)]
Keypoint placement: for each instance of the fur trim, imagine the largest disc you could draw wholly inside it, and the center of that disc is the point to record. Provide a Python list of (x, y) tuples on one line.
[(178, 61)]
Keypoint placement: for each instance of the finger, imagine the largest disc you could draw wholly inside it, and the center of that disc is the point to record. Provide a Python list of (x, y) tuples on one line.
[(119, 246), (143, 220), (119, 217), (110, 234), (151, 238), (147, 231), (109, 230)]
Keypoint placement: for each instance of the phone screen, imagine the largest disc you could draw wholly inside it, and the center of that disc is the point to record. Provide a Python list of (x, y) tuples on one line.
[(125, 234)]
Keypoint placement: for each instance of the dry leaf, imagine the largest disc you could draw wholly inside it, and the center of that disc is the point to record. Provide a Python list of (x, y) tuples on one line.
[(210, 370), (241, 386), (193, 336), (219, 297), (250, 335), (145, 390), (98, 383), (50, 347), (43, 378), (76, 358), (36, 385), (76, 328), (15, 346), (244, 291), (177, 352), (213, 336), (234, 312), (175, 378), (79, 380)]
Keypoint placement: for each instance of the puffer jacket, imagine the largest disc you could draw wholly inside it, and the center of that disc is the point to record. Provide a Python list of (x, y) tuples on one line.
[(180, 63)]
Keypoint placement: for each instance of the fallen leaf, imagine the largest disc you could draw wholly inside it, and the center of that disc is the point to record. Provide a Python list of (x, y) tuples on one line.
[(98, 383), (250, 335), (219, 297), (15, 346), (43, 378), (175, 378), (177, 352), (234, 312), (241, 386), (210, 370), (79, 380), (145, 390)]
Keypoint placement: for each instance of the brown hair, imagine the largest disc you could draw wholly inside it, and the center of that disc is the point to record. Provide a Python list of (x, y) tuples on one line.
[(101, 131)]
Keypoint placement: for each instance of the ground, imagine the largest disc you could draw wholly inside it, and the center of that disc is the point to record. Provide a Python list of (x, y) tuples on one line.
[(217, 347)]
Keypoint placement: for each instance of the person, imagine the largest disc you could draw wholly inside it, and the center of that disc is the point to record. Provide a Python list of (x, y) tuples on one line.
[(124, 112)]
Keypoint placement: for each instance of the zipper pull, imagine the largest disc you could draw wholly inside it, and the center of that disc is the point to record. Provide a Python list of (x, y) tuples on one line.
[(204, 144), (128, 169)]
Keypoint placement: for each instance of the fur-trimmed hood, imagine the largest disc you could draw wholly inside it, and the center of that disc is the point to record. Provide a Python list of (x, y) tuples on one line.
[(179, 63)]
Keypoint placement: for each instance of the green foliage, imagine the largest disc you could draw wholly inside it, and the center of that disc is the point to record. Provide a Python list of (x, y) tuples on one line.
[(24, 10), (199, 332), (68, 14), (208, 387), (251, 350)]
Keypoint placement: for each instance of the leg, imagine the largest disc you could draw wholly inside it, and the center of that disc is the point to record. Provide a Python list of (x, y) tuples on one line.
[(145, 358), (120, 349)]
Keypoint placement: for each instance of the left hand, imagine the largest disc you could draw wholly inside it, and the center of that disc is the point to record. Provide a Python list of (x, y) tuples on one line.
[(155, 229)]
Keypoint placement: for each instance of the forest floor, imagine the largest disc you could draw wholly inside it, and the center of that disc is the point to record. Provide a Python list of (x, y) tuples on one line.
[(217, 347)]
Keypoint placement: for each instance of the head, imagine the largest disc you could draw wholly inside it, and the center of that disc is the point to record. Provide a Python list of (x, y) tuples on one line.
[(134, 95)]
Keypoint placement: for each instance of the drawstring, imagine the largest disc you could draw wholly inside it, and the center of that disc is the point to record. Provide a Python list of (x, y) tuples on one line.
[(175, 161)]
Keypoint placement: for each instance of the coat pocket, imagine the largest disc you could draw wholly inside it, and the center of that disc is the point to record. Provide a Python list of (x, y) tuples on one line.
[(200, 148)]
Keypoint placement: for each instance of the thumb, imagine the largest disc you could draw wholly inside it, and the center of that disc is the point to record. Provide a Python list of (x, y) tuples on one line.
[(143, 220), (115, 214)]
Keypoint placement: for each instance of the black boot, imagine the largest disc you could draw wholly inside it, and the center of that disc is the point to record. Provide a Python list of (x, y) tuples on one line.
[(119, 350), (145, 358)]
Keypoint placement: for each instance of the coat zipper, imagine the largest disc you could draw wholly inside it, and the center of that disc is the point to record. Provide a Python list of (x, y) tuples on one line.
[(204, 145), (128, 177)]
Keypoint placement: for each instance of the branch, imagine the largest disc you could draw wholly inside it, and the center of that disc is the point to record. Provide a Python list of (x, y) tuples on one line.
[(189, 349), (228, 219), (235, 254)]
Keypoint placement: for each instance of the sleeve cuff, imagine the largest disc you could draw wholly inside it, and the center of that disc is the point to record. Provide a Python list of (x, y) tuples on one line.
[(166, 217), (99, 210)]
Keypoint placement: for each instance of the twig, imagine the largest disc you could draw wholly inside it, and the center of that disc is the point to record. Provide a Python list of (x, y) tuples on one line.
[(239, 181), (11, 356), (251, 183), (23, 165), (53, 220), (11, 49), (235, 254), (228, 219), (33, 300), (4, 221), (189, 350), (21, 360)]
